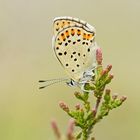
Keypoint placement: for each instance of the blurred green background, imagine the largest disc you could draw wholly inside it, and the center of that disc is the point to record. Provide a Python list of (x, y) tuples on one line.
[(26, 56)]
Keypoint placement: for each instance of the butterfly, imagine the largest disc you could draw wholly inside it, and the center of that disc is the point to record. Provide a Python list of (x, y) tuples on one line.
[(74, 45)]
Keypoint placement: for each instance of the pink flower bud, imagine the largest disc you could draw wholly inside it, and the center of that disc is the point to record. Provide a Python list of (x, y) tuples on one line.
[(114, 97), (55, 129), (107, 91), (111, 76), (70, 129), (103, 72), (77, 106), (123, 98), (64, 106), (99, 56), (109, 67)]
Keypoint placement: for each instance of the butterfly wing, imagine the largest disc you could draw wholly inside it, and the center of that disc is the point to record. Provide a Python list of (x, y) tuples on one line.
[(63, 22), (74, 47)]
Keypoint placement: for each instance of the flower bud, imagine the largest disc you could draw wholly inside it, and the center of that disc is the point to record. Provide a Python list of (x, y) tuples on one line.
[(55, 129), (107, 95), (107, 91), (77, 94), (64, 106), (123, 98), (77, 106), (111, 76), (114, 97), (70, 129), (109, 67), (104, 72), (99, 56)]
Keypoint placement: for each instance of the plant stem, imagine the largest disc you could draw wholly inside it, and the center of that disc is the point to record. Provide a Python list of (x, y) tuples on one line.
[(97, 105), (85, 135)]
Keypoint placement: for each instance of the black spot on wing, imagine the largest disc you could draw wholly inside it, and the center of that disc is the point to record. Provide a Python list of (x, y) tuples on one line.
[(65, 53), (66, 44), (60, 53), (60, 43)]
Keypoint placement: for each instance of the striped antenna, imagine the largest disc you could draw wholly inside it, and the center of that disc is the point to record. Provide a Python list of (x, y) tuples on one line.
[(52, 81)]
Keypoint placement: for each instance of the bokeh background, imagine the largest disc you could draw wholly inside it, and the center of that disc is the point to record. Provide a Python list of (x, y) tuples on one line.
[(26, 56)]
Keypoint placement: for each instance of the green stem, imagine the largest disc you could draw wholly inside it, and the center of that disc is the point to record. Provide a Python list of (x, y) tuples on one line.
[(85, 134)]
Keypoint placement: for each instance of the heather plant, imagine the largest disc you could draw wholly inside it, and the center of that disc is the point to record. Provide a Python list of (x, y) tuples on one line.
[(86, 113)]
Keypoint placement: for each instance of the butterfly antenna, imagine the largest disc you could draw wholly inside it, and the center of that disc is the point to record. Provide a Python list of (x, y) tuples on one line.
[(51, 82)]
